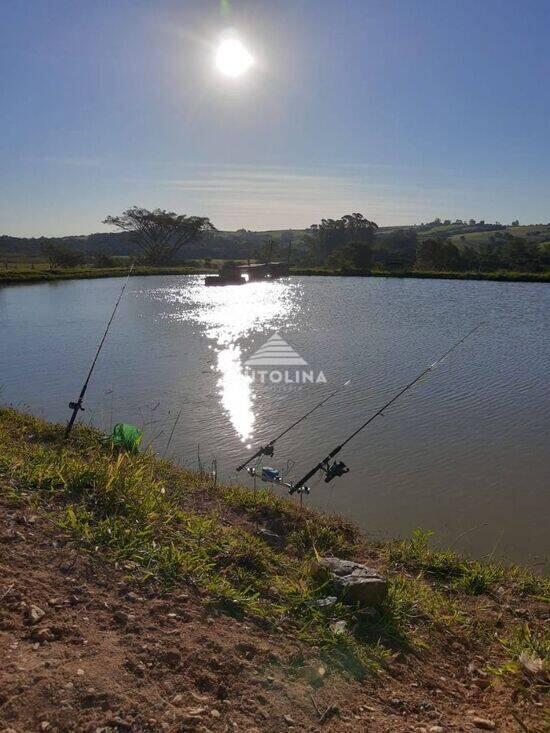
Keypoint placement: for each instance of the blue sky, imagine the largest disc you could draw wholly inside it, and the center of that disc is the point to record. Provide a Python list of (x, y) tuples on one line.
[(401, 109)]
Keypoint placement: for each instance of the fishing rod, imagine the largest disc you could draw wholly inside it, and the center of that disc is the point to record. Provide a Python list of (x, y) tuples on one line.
[(268, 449), (339, 468), (77, 406)]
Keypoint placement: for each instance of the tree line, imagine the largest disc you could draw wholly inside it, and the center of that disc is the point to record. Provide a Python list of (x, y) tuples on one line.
[(353, 242)]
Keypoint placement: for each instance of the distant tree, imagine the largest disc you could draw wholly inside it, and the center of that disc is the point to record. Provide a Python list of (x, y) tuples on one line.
[(160, 234), (489, 259), (397, 250), (515, 223), (360, 254), (330, 235), (517, 254), (447, 222), (61, 256), (268, 251), (472, 222), (102, 260), (438, 254)]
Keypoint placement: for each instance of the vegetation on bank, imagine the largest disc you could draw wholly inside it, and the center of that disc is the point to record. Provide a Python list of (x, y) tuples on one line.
[(178, 526), (12, 277), (83, 273), (499, 276)]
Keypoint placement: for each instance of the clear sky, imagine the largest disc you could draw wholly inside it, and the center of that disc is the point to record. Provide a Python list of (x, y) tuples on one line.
[(403, 110)]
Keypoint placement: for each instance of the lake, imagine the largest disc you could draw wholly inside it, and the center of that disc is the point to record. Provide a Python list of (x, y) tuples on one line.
[(463, 453)]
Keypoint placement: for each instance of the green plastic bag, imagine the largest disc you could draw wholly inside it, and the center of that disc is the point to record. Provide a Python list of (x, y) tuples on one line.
[(125, 436)]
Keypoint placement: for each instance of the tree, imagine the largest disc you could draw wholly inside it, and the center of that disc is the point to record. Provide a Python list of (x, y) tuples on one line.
[(333, 234), (160, 234), (102, 260), (438, 254), (61, 256)]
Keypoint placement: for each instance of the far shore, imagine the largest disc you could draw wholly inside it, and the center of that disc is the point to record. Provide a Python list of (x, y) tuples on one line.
[(13, 277)]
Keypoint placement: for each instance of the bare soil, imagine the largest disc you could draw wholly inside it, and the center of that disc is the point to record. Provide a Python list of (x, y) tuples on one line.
[(84, 649)]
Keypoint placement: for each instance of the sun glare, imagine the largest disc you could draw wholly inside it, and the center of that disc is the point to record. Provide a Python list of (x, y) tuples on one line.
[(232, 58)]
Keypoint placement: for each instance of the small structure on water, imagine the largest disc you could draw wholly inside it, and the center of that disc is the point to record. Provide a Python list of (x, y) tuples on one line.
[(233, 274)]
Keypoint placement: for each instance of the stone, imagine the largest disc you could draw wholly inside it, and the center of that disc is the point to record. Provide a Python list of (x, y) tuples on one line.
[(272, 538), (354, 582), (484, 723), (436, 729), (35, 614), (338, 628), (324, 602), (42, 634)]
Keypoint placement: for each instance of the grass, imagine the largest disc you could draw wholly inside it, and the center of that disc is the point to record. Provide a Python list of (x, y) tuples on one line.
[(499, 276), (176, 526), (86, 273), (467, 576), (527, 669)]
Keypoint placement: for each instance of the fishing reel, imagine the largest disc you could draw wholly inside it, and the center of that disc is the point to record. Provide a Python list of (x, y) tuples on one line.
[(273, 476), (76, 406), (333, 470), (267, 451)]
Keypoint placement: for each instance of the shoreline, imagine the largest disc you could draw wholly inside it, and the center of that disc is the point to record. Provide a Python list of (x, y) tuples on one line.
[(209, 603), (41, 276)]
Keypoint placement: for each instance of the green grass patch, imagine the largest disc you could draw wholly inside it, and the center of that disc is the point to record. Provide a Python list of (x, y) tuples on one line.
[(471, 577), (175, 526)]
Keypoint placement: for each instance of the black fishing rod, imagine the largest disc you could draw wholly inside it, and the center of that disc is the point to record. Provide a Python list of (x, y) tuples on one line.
[(268, 449), (339, 468), (77, 406)]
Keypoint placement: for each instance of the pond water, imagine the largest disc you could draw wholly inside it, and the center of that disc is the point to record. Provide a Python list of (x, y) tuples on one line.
[(463, 453)]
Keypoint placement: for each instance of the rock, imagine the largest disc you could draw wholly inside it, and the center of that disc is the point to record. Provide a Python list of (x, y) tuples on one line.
[(42, 634), (35, 614), (324, 602), (121, 617), (436, 729), (215, 713), (531, 664), (195, 712), (289, 720), (356, 583), (484, 723), (272, 538), (338, 628)]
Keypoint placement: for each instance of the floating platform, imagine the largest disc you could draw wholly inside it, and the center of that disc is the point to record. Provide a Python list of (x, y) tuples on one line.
[(212, 280)]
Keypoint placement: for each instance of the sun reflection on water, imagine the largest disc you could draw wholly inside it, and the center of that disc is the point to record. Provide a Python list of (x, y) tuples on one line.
[(230, 315)]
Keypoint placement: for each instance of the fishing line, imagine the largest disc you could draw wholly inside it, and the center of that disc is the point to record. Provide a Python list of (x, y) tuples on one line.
[(268, 449), (339, 468)]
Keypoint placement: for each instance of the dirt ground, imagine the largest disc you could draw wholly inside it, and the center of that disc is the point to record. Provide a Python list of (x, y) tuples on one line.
[(82, 649)]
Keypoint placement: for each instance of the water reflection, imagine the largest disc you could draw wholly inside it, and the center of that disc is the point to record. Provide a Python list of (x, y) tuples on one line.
[(229, 316), (235, 391)]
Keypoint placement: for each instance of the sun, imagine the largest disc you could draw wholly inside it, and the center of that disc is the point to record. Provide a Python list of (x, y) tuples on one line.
[(232, 58)]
